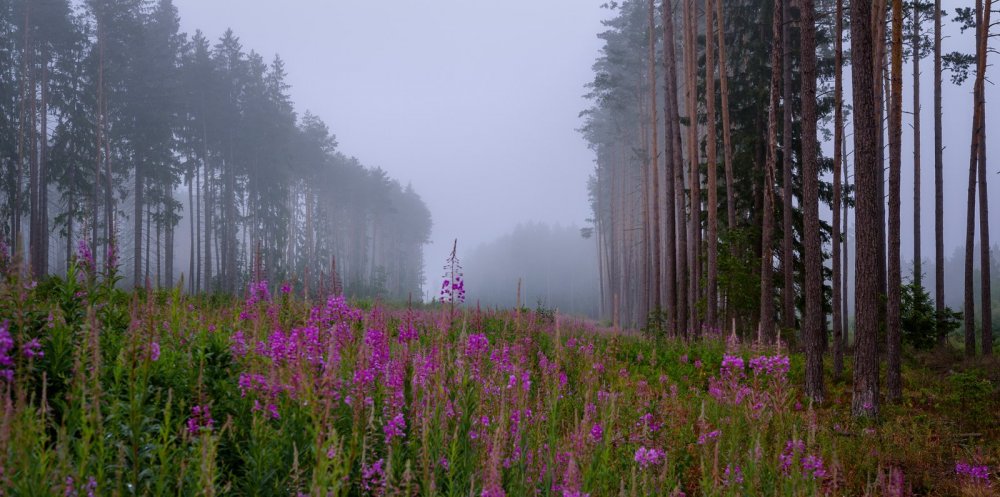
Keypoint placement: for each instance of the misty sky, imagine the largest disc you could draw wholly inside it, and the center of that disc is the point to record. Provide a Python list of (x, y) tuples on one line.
[(476, 103)]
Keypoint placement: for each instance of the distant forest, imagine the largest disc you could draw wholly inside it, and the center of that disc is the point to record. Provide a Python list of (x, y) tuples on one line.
[(185, 155), (551, 263)]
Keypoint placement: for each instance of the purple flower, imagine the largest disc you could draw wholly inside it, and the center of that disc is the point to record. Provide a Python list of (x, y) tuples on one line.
[(154, 351), (706, 437), (975, 473), (286, 288), (32, 349), (394, 428), (648, 457), (732, 476), (201, 417), (6, 347), (596, 432), (813, 466)]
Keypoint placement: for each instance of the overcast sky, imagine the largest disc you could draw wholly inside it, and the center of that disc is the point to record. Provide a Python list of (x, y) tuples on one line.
[(476, 103)]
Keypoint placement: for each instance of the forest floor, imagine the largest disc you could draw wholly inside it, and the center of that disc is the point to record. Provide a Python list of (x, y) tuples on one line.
[(115, 393)]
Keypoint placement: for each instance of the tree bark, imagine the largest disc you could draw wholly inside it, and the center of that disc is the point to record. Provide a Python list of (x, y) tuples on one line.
[(838, 141), (726, 139), (787, 247), (812, 329), (654, 162), (694, 189), (917, 258), (984, 206), (766, 331), (674, 227), (938, 174), (894, 382), (712, 304), (866, 130)]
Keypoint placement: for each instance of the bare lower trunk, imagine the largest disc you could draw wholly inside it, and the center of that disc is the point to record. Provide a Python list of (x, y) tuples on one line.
[(866, 126), (894, 382), (838, 138)]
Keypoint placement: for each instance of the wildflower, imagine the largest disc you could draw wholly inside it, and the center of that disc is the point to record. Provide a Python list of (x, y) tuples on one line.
[(731, 366), (813, 466), (84, 256), (69, 489), (32, 349), (91, 487), (706, 437), (787, 457), (596, 432), (286, 288), (154, 351), (373, 476), (974, 473), (648, 457), (476, 345), (443, 462), (238, 345), (733, 475), (201, 417), (6, 346), (394, 428)]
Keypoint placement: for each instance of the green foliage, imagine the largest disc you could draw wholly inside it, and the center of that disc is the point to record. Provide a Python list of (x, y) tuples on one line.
[(923, 325)]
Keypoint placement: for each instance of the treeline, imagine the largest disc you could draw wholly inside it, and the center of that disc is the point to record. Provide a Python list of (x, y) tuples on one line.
[(543, 265), (187, 156), (706, 122)]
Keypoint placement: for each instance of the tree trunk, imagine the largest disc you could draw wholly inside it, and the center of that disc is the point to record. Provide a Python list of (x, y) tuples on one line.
[(866, 175), (673, 190), (787, 247), (984, 206), (813, 328), (654, 163), (838, 139), (846, 247), (917, 258), (766, 331), (938, 174), (139, 193), (712, 166), (894, 382), (726, 141), (694, 193), (683, 289)]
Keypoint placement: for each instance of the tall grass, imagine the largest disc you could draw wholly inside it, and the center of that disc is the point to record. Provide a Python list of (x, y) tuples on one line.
[(160, 393)]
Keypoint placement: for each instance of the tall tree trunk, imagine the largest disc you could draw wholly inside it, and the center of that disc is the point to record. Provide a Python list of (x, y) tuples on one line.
[(139, 194), (984, 206), (192, 215), (866, 175), (847, 252), (787, 247), (726, 139), (673, 190), (970, 226), (713, 193), (838, 141), (915, 42), (694, 193), (894, 382), (766, 330), (938, 175), (683, 289), (654, 162), (43, 168), (813, 325)]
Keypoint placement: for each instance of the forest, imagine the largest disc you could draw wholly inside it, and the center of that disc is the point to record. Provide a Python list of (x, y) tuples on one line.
[(699, 113), (703, 273), (172, 154)]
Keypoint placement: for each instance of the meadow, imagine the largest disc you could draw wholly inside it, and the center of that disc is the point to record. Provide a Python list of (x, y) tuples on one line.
[(107, 392)]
